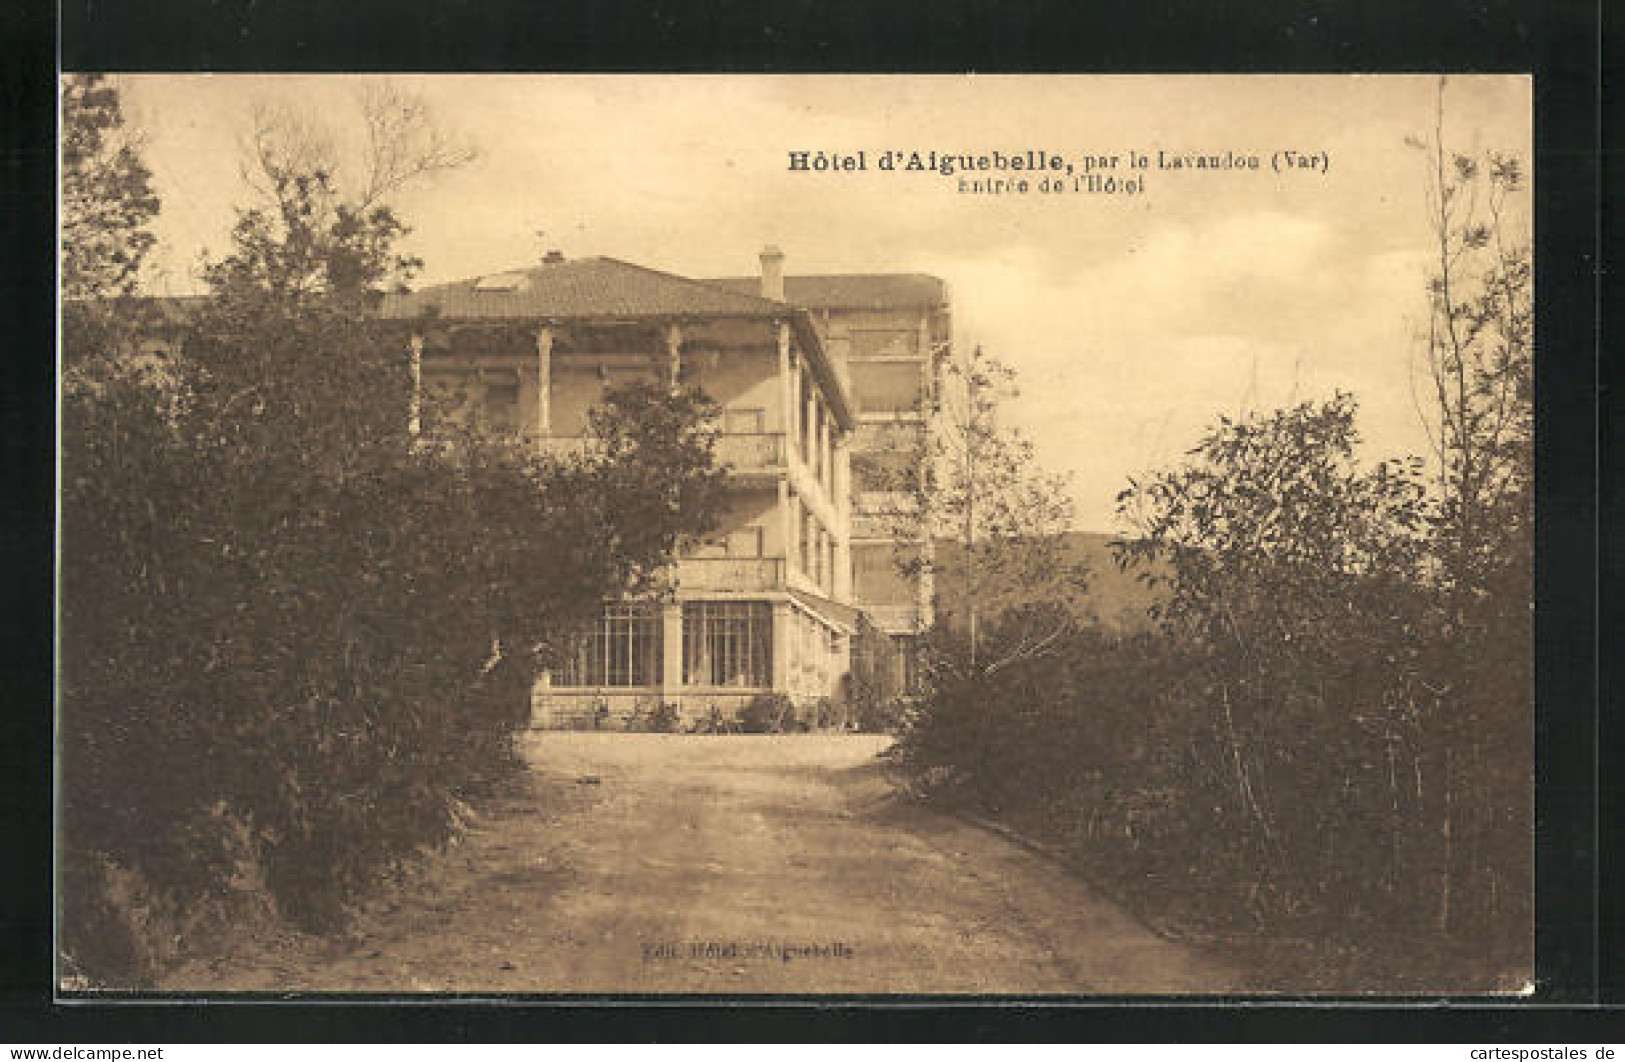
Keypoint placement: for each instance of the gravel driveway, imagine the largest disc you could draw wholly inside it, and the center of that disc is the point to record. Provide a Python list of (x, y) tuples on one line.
[(639, 863)]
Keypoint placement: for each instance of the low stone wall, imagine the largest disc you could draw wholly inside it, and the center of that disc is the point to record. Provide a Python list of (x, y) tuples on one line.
[(553, 709)]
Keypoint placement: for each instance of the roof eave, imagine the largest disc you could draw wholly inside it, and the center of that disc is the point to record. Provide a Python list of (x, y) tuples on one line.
[(818, 358), (800, 322), (521, 318)]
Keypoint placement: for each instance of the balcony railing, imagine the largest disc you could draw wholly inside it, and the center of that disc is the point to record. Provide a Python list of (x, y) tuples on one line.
[(893, 619), (566, 445), (885, 525), (751, 450), (731, 573), (743, 451), (886, 502)]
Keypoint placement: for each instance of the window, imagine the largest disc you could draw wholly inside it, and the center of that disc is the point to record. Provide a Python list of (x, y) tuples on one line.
[(888, 470), (490, 400), (815, 441), (908, 664), (623, 649), (804, 404), (887, 387), (728, 643), (828, 458), (885, 573), (801, 538), (502, 405), (446, 393)]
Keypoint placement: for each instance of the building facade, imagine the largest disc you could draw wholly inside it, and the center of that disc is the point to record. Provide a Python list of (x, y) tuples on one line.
[(886, 334), (825, 385), (764, 604)]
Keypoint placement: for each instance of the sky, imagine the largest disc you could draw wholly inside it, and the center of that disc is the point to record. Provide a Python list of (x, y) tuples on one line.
[(1133, 320)]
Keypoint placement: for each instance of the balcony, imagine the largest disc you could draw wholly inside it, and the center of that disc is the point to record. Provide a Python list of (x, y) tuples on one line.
[(893, 505), (898, 525), (741, 451), (893, 619), (731, 573), (751, 451)]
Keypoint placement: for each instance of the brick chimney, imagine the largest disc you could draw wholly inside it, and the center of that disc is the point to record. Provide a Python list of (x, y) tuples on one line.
[(772, 273), (553, 257)]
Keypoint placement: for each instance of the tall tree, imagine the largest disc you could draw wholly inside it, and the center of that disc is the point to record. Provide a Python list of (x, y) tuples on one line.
[(107, 197), (979, 487), (323, 221), (279, 609), (1479, 410), (1290, 582), (108, 206), (1477, 365)]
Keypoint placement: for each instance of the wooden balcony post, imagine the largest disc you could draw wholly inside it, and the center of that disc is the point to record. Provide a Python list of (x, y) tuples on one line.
[(544, 385), (414, 422), (674, 355), (787, 379), (787, 521)]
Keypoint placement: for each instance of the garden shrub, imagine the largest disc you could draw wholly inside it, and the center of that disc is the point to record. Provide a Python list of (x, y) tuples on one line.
[(293, 637), (665, 718), (655, 717), (827, 714), (880, 715), (1318, 741), (714, 721), (767, 713)]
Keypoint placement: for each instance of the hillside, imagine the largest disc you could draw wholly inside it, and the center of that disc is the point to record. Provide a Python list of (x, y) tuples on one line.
[(1119, 600)]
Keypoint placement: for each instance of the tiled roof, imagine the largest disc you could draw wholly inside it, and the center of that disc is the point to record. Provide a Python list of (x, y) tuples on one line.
[(156, 310), (175, 309), (832, 612), (850, 291), (577, 288), (598, 288)]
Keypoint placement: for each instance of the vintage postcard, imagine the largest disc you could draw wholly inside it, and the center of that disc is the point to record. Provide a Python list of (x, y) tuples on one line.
[(788, 535)]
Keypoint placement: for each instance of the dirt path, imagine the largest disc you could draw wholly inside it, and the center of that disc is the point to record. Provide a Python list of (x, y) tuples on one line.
[(723, 865)]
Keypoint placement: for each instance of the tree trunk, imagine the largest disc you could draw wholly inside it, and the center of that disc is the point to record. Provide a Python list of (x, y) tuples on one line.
[(1447, 880)]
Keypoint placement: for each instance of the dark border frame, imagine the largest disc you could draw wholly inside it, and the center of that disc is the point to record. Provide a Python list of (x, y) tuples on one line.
[(1579, 960)]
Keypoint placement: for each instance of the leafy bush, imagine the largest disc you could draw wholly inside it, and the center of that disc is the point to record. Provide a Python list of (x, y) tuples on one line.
[(826, 714), (714, 721), (655, 717), (767, 713), (879, 715), (665, 718), (292, 636), (1309, 744)]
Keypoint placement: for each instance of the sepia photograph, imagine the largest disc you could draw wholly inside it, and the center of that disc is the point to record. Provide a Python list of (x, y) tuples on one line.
[(745, 535)]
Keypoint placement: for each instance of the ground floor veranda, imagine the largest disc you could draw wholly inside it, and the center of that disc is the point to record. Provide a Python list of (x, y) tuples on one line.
[(699, 654)]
